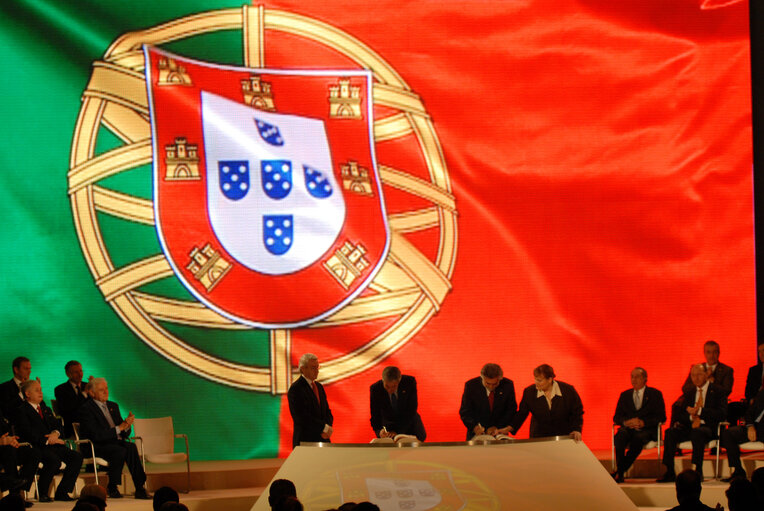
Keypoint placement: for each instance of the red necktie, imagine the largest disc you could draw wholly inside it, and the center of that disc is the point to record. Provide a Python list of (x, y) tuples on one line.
[(39, 411), (490, 400), (315, 391)]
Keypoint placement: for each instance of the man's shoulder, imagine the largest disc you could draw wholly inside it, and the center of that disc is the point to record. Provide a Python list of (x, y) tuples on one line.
[(724, 367), (62, 387), (376, 386), (8, 384), (653, 391), (408, 380), (297, 384), (473, 382)]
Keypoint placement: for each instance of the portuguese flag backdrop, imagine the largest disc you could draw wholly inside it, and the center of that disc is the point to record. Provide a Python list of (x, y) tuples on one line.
[(567, 182)]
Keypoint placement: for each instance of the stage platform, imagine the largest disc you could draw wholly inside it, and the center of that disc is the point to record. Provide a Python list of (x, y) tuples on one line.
[(236, 485)]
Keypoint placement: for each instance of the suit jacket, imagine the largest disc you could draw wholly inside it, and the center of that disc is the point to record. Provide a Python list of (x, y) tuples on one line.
[(713, 412), (9, 398), (68, 403), (309, 417), (753, 381), (566, 415), (652, 411), (476, 410), (95, 426), (723, 377), (32, 428), (382, 414), (753, 413)]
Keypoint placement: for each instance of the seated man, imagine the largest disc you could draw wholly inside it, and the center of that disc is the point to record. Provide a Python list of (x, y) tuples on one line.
[(70, 395), (488, 402), (755, 380), (717, 373), (696, 418), (35, 424), (753, 431), (688, 490), (10, 391), (393, 403), (638, 413), (102, 424), (12, 456)]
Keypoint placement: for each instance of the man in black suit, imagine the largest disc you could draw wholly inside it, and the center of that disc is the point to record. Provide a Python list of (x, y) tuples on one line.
[(638, 413), (308, 406), (753, 431), (10, 391), (717, 373), (755, 380), (102, 424), (36, 424), (555, 407), (393, 404), (695, 418), (488, 402), (12, 455), (70, 395)]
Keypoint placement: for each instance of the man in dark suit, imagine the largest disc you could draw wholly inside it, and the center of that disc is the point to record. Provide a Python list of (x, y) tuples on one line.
[(638, 412), (717, 373), (488, 402), (12, 455), (35, 424), (393, 404), (10, 391), (308, 406), (695, 418), (555, 407), (755, 380), (753, 431), (102, 424), (70, 395)]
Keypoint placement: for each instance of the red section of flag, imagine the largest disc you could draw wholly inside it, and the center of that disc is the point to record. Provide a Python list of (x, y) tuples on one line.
[(600, 156)]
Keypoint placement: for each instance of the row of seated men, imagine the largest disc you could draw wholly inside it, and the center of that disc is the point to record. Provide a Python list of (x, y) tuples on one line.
[(489, 407), (31, 433)]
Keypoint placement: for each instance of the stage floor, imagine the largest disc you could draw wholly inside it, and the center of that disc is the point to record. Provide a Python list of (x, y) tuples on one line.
[(236, 485)]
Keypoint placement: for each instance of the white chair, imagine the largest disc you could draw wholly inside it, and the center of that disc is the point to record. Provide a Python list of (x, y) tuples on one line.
[(156, 440), (652, 444), (744, 447), (88, 455)]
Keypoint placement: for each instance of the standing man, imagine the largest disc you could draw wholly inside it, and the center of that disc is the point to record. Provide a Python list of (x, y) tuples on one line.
[(70, 395), (753, 431), (35, 424), (308, 406), (488, 402), (103, 425), (638, 413), (717, 373), (393, 404), (10, 391), (696, 418)]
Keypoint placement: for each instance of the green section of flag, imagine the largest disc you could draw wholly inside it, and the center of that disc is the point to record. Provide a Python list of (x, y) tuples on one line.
[(50, 307)]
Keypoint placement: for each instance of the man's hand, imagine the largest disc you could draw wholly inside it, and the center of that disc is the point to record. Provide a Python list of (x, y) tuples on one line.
[(7, 439), (53, 438), (478, 430), (576, 435), (328, 430), (751, 433), (492, 430), (503, 431), (127, 422)]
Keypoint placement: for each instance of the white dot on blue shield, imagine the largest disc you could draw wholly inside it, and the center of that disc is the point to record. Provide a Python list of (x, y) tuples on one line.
[(277, 177), (285, 168), (242, 169), (268, 186), (235, 178), (226, 169), (226, 186), (269, 223), (278, 232), (268, 168), (286, 223), (242, 186), (285, 185), (270, 241), (287, 241), (311, 185)]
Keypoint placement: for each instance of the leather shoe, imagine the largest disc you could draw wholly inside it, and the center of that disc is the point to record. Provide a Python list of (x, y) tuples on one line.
[(737, 473), (141, 493), (63, 498), (668, 477), (114, 494), (617, 476), (44, 498)]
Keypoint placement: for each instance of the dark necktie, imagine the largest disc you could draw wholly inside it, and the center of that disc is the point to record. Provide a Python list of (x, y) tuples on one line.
[(394, 402), (39, 412), (315, 391), (490, 400)]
